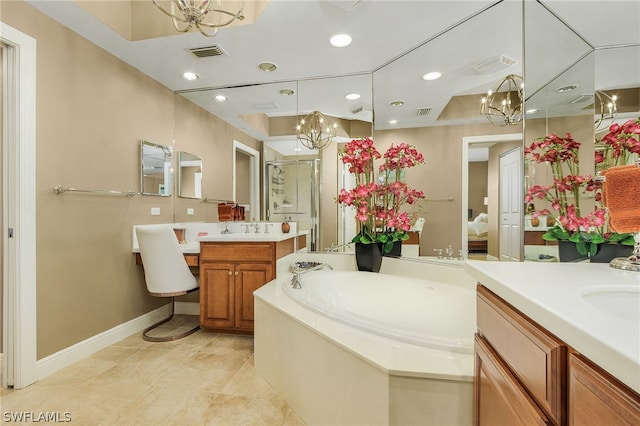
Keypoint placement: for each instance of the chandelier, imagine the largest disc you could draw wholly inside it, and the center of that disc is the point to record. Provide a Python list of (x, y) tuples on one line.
[(607, 109), (206, 15), (503, 105), (315, 132)]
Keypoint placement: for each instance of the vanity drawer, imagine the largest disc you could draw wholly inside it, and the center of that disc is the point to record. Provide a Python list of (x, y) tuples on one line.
[(259, 252), (534, 356)]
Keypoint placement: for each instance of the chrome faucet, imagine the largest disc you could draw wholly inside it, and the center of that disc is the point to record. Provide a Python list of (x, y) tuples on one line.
[(449, 252), (266, 227), (295, 281), (256, 226)]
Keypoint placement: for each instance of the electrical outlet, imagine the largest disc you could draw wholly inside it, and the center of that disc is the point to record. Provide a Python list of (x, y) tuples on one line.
[(190, 212), (155, 211)]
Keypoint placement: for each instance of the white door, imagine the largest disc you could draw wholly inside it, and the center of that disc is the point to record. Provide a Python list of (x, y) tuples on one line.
[(347, 223), (511, 203)]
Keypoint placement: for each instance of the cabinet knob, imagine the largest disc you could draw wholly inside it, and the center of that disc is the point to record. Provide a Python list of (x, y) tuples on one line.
[(230, 272), (236, 272)]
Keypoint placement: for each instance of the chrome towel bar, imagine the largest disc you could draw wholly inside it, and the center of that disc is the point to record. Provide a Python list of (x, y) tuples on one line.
[(59, 189)]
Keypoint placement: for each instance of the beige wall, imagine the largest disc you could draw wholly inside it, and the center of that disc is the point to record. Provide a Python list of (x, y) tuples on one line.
[(477, 186), (243, 177), (92, 111), (1, 198)]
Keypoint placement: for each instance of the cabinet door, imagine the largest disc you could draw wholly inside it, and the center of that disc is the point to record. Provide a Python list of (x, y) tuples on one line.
[(249, 277), (596, 399), (499, 399), (216, 295)]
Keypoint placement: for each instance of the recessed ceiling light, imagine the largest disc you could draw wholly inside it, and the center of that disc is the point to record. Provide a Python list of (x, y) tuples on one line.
[(432, 75), (393, 121), (190, 76), (352, 96), (567, 88), (532, 110), (297, 149), (340, 40), (268, 67), (396, 103), (221, 98), (287, 92)]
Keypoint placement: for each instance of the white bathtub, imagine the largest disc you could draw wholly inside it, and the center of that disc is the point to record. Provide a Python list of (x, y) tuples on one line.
[(336, 360), (419, 312)]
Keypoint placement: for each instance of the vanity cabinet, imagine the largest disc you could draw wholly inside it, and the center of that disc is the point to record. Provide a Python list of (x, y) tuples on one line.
[(229, 274), (526, 375)]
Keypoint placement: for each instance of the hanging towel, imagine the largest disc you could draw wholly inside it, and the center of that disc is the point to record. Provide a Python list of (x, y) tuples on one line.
[(621, 195)]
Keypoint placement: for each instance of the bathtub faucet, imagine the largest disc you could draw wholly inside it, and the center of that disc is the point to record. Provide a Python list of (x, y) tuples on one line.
[(295, 281)]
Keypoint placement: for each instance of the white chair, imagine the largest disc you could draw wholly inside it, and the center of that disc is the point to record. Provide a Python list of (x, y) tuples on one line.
[(165, 271)]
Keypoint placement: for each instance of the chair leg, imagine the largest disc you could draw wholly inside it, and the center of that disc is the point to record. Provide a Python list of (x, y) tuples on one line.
[(148, 338)]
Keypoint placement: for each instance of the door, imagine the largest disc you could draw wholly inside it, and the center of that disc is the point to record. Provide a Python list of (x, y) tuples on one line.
[(216, 295), (511, 205), (248, 278)]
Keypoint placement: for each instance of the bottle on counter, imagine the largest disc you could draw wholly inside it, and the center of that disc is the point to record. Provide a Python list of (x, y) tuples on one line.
[(285, 226)]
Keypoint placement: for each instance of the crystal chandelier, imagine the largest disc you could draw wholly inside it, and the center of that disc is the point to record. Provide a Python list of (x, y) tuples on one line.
[(503, 105), (607, 109), (315, 132), (206, 15)]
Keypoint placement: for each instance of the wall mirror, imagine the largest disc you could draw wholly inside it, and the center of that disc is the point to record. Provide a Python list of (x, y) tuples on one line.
[(189, 175), (156, 169)]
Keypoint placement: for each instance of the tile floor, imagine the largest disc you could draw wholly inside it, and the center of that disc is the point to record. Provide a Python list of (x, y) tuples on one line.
[(203, 379)]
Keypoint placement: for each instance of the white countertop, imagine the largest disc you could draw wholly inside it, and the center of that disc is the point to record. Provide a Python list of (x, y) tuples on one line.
[(551, 295), (251, 237)]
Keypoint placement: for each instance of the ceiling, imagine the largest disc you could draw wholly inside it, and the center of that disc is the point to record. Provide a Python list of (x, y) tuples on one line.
[(387, 35)]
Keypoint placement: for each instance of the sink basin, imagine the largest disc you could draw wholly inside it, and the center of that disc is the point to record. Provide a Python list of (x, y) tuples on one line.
[(623, 302)]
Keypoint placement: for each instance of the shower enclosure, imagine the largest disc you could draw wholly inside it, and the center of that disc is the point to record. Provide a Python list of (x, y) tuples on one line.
[(291, 194)]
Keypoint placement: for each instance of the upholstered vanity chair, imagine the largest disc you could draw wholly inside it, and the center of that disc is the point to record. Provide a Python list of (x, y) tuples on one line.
[(165, 271)]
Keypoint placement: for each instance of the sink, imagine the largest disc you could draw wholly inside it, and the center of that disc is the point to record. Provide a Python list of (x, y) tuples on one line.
[(621, 301)]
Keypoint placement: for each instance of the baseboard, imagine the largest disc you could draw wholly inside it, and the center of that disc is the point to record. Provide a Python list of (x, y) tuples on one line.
[(80, 350), (187, 308)]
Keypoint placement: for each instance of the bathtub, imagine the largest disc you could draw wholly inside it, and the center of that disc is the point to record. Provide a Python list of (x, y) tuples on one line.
[(339, 352), (410, 310)]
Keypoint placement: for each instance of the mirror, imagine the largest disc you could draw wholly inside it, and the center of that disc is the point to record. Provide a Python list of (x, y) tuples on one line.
[(156, 168), (189, 175)]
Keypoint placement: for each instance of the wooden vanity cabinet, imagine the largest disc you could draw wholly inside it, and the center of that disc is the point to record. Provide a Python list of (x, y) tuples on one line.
[(229, 274), (526, 375)]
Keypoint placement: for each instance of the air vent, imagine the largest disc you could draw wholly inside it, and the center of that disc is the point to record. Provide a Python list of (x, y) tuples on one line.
[(362, 110), (423, 111), (495, 64), (587, 97), (205, 52), (266, 107)]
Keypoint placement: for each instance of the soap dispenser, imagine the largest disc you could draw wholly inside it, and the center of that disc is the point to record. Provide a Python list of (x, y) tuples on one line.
[(285, 226)]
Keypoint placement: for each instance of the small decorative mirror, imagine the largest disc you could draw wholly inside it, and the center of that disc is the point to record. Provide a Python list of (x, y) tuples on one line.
[(189, 175), (156, 162)]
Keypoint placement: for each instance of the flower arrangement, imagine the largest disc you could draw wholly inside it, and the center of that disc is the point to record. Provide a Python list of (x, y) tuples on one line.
[(585, 230), (378, 202), (619, 145)]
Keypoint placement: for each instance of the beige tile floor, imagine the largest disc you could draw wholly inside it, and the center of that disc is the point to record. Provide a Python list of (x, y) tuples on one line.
[(203, 379)]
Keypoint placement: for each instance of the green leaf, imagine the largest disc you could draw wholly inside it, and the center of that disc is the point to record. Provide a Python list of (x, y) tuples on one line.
[(404, 237), (388, 246), (628, 241), (383, 238), (582, 248), (593, 249), (597, 239), (576, 238)]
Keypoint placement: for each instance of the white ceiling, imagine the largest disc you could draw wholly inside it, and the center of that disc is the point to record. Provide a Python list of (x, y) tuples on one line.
[(295, 36)]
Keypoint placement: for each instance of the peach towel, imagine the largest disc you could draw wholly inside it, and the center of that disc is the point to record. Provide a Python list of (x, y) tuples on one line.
[(621, 195)]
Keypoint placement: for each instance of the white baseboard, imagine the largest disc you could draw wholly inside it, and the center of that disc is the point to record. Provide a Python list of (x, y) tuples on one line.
[(80, 350)]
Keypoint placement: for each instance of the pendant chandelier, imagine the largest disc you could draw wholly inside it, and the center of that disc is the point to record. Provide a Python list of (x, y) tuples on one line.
[(503, 104), (315, 132), (207, 16), (606, 109)]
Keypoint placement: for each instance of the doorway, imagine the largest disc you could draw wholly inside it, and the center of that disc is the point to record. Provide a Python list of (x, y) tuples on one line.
[(246, 179), (496, 143), (18, 207)]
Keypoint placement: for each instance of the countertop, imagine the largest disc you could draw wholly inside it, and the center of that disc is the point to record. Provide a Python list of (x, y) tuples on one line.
[(551, 294), (250, 237)]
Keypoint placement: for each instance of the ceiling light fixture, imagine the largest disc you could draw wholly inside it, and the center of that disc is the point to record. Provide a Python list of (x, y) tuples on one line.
[(393, 121), (432, 76), (503, 105), (340, 40), (287, 92), (606, 109), (352, 96), (396, 103), (315, 132), (221, 98), (190, 76), (207, 16), (567, 88), (268, 66)]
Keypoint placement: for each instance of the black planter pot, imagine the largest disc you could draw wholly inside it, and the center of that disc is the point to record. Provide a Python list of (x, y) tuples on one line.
[(607, 252), (569, 253), (396, 250), (368, 257)]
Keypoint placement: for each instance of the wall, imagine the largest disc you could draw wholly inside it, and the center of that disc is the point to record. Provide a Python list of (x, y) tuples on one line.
[(92, 111), (478, 186), (1, 198)]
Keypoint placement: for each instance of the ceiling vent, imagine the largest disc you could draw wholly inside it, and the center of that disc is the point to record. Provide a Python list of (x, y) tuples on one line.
[(495, 64), (208, 51), (362, 110), (266, 107), (587, 97), (423, 111)]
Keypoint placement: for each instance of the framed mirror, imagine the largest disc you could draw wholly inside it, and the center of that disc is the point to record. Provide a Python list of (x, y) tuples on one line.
[(156, 168), (189, 175)]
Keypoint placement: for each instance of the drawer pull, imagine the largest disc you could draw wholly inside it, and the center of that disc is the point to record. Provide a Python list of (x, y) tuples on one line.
[(236, 272), (230, 272)]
